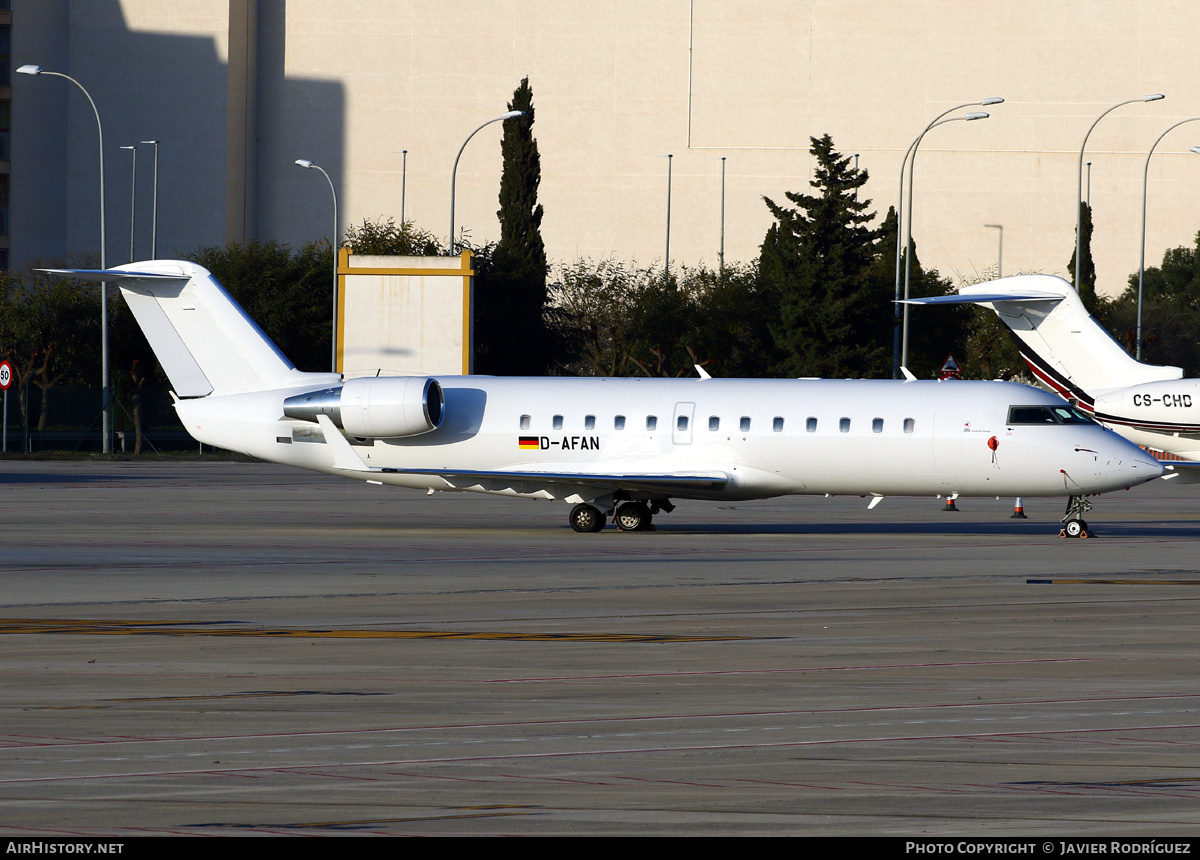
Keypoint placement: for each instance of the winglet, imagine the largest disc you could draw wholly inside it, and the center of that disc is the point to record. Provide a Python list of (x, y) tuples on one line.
[(703, 373)]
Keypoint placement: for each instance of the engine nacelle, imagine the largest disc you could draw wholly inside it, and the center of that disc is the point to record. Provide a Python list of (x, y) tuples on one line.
[(380, 407)]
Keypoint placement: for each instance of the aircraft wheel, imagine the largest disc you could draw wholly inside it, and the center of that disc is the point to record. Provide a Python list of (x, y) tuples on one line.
[(585, 518), (1075, 528), (633, 517)]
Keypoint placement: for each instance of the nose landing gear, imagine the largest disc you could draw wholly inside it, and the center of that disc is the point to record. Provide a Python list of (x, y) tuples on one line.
[(1074, 525)]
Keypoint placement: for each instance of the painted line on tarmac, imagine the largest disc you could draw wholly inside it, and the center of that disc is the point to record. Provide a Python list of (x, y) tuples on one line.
[(14, 626), (1112, 582)]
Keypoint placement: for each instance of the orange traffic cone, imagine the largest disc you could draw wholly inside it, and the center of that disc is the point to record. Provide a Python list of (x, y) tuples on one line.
[(1018, 511)]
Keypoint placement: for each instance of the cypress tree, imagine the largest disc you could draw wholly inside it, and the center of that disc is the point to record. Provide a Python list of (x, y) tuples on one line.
[(513, 338), (1085, 284)]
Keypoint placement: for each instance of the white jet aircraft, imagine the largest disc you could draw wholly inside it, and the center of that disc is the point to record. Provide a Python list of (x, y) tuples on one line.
[(1072, 354), (627, 446)]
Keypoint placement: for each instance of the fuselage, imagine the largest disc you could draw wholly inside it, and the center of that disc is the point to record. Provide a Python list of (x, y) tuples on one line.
[(770, 437)]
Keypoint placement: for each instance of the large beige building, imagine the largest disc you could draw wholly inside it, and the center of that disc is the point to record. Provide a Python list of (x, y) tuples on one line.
[(237, 90)]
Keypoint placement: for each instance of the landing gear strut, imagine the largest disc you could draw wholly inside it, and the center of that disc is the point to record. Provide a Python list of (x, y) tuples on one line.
[(1074, 525)]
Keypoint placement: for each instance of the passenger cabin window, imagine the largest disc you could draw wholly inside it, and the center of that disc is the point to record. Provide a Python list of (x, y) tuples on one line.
[(524, 422), (844, 425), (909, 425), (745, 424), (557, 422), (777, 424), (877, 425), (714, 423), (651, 422), (811, 425), (681, 423), (619, 422), (589, 422)]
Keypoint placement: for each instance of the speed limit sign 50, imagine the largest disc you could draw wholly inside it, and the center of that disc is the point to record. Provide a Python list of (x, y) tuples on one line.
[(5, 375)]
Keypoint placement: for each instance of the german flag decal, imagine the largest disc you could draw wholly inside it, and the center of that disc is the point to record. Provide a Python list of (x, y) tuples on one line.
[(529, 443)]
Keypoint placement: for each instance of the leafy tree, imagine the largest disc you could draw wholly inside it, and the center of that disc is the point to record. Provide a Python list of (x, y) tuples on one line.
[(933, 333), (638, 322), (289, 294), (385, 239), (50, 333), (1170, 311), (834, 308), (513, 336)]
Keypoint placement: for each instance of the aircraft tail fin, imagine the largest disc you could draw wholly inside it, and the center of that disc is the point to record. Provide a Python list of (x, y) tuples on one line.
[(1063, 345), (203, 339)]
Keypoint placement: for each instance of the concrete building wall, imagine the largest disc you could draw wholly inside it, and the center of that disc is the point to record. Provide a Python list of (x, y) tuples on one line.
[(617, 85)]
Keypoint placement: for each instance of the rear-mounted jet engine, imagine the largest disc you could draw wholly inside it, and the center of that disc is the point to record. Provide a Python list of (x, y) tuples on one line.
[(380, 407)]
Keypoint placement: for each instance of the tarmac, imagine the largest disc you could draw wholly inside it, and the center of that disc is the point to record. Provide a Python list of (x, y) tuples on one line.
[(195, 648)]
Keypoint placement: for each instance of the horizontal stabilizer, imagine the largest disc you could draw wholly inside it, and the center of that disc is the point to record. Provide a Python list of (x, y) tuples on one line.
[(203, 339), (983, 298)]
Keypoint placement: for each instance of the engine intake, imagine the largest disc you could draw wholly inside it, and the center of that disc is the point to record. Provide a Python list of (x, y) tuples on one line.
[(381, 407)]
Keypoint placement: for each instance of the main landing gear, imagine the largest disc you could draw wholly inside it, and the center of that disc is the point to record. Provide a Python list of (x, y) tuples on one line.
[(585, 518), (630, 516), (1074, 525)]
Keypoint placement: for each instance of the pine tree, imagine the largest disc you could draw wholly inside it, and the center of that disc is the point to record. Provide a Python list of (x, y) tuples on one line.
[(835, 313), (513, 338)]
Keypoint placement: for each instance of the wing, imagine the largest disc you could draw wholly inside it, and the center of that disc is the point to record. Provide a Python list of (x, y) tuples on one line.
[(347, 459)]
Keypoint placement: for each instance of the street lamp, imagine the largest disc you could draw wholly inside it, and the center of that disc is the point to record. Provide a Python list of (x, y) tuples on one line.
[(154, 210), (667, 259), (721, 253), (1142, 257), (1000, 256), (899, 343), (106, 422), (333, 242), (1153, 97), (132, 200), (512, 114)]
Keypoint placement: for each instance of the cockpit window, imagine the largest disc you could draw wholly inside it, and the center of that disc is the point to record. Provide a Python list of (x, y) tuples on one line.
[(1046, 415), (1030, 415), (1071, 415)]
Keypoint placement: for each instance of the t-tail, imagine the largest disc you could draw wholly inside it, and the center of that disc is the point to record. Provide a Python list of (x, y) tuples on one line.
[(203, 339), (1063, 345)]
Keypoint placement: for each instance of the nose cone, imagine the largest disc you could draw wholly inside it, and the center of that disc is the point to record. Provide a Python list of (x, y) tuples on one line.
[(1126, 465)]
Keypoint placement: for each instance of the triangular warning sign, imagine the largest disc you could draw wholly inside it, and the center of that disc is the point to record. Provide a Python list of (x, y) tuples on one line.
[(950, 369)]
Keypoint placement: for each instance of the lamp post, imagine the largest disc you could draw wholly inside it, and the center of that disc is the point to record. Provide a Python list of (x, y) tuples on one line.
[(403, 183), (1142, 255), (721, 252), (901, 221), (333, 242), (900, 338), (1153, 97), (512, 114), (132, 200), (154, 210), (667, 259), (106, 422), (1000, 256)]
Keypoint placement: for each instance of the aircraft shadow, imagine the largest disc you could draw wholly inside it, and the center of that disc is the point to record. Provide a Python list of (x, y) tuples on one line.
[(1020, 529), (51, 478)]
